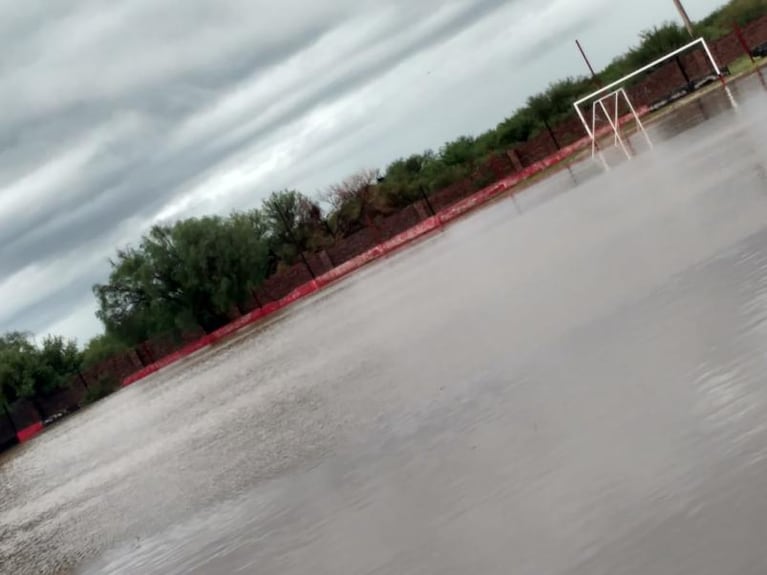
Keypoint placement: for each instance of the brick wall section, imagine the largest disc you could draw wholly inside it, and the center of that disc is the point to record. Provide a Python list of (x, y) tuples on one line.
[(452, 194), (7, 431), (659, 84), (64, 400), (697, 65), (118, 366), (537, 148), (756, 32), (568, 131), (356, 244), (319, 262), (728, 48), (165, 344), (399, 222), (24, 414), (499, 166), (282, 283)]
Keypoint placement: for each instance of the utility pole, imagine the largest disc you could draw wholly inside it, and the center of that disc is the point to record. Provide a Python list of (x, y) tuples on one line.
[(588, 63), (742, 40), (425, 197), (685, 18)]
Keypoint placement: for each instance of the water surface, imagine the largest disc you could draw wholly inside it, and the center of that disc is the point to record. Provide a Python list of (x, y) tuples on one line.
[(571, 382)]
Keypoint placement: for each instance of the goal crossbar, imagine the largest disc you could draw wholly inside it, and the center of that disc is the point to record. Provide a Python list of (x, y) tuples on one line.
[(607, 89)]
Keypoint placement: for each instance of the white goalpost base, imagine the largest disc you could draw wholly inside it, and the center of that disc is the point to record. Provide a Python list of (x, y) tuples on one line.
[(616, 93)]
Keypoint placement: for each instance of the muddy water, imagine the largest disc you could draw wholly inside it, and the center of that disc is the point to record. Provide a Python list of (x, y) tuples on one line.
[(575, 385)]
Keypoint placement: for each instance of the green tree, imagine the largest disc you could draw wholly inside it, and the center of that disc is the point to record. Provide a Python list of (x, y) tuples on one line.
[(459, 152), (57, 361), (516, 129), (17, 367), (29, 371), (295, 224), (194, 273), (653, 44), (101, 348), (406, 179)]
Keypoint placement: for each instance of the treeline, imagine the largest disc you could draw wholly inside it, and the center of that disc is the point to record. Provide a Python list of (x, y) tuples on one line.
[(740, 12), (198, 274), (661, 40), (29, 370)]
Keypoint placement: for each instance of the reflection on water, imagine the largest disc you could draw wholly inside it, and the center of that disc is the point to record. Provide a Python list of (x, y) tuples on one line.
[(574, 384)]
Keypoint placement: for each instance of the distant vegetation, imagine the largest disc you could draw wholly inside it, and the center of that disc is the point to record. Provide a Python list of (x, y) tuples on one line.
[(199, 273), (28, 370), (720, 21)]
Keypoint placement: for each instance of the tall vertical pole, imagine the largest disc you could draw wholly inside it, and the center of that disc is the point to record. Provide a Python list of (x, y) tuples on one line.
[(742, 40), (685, 17), (551, 134), (425, 197), (598, 82), (586, 59)]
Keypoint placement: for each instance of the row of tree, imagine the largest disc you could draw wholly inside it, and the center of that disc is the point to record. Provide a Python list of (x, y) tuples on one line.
[(199, 273), (29, 370), (721, 20)]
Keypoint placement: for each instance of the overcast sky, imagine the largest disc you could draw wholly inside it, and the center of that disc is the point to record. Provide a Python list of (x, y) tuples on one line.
[(117, 115)]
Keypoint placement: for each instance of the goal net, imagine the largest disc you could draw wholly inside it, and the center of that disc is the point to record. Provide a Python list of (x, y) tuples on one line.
[(606, 110)]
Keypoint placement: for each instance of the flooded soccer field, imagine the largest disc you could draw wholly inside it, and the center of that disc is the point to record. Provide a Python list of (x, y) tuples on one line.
[(573, 381)]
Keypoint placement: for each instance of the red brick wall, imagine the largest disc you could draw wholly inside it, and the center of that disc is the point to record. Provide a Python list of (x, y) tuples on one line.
[(7, 431), (727, 49), (399, 222), (319, 262), (356, 244), (24, 414), (756, 32), (537, 148), (452, 194), (659, 84), (282, 283), (569, 131), (119, 366), (162, 345), (64, 400), (499, 165)]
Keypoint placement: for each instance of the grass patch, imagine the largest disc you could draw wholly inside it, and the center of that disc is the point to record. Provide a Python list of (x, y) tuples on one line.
[(742, 65)]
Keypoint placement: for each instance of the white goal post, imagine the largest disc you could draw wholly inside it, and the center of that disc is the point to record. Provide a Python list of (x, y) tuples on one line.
[(615, 91), (615, 123)]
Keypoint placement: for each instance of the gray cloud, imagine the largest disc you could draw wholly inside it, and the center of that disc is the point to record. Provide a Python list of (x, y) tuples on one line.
[(100, 191), (117, 115)]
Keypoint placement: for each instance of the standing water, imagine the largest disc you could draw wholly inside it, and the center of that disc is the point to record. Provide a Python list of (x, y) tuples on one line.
[(571, 382)]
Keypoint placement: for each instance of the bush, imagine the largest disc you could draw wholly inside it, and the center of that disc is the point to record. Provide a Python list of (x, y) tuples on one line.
[(106, 385)]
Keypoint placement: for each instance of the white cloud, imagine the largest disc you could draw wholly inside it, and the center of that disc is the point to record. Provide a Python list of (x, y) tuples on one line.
[(120, 115), (38, 284), (79, 322)]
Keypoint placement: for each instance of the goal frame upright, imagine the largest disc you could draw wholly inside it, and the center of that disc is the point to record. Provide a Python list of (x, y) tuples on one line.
[(615, 122)]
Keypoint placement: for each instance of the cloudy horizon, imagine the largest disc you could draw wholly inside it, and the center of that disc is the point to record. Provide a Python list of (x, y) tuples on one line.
[(121, 116)]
